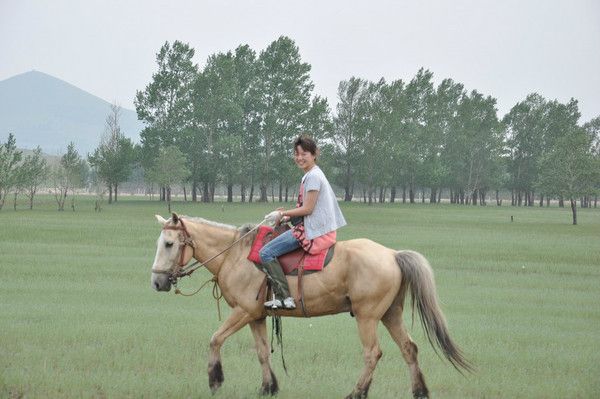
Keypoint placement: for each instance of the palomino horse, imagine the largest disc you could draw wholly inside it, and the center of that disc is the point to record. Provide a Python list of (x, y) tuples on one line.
[(364, 278)]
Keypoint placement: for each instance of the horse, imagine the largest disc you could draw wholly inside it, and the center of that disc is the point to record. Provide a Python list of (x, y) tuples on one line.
[(364, 278)]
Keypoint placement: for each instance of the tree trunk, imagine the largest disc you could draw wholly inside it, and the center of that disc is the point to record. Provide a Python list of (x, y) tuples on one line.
[(116, 186), (393, 194), (110, 194), (547, 201), (15, 201), (404, 194), (194, 191), (541, 200), (251, 192), (205, 192), (574, 210), (243, 192), (184, 193), (229, 192), (263, 193), (561, 202), (280, 192), (287, 191), (432, 195)]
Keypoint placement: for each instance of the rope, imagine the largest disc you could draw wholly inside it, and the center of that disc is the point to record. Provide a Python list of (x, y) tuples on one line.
[(216, 293), (277, 331), (186, 271)]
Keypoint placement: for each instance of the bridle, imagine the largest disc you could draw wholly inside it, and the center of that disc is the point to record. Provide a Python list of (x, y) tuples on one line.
[(181, 270), (185, 241)]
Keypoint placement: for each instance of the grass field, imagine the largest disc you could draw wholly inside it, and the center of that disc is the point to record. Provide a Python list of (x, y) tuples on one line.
[(78, 318)]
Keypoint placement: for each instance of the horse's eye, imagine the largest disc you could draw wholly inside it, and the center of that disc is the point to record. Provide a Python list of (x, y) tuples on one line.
[(169, 244)]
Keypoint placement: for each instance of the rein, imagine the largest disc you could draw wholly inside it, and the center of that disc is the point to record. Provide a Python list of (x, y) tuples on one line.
[(184, 270), (187, 270)]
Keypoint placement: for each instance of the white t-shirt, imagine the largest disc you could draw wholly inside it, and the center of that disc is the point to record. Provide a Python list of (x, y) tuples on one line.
[(326, 215)]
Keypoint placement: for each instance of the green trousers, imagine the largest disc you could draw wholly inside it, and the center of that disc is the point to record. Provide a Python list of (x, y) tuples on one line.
[(275, 275)]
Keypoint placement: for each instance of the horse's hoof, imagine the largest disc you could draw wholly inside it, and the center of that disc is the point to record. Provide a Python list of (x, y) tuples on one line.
[(421, 394), (215, 377), (358, 395)]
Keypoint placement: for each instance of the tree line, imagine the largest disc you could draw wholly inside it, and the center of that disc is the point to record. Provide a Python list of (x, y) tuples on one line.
[(231, 123)]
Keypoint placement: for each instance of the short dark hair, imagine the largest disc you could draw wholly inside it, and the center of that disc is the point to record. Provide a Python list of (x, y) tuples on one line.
[(307, 144)]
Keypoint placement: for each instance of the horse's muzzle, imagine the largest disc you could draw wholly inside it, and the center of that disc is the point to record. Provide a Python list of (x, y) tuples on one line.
[(161, 282)]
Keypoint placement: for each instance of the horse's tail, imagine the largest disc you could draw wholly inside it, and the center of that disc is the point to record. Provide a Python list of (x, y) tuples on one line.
[(419, 276)]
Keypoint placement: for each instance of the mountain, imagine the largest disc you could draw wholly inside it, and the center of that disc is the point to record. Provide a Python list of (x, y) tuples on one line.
[(40, 109)]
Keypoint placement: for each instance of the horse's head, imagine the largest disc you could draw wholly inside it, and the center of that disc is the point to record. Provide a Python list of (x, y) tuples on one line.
[(172, 252)]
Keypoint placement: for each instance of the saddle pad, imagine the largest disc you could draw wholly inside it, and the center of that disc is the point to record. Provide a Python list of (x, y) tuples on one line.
[(292, 260)]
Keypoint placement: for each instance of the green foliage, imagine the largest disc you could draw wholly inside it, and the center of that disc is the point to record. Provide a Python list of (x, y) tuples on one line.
[(9, 167), (113, 159), (69, 174), (33, 172), (170, 168)]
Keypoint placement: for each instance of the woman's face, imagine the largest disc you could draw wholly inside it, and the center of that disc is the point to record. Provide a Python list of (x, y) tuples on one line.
[(304, 159)]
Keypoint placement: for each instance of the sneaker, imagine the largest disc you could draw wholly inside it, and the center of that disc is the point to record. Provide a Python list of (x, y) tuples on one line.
[(273, 304), (288, 303)]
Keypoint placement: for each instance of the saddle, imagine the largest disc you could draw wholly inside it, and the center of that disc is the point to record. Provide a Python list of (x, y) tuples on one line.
[(295, 263)]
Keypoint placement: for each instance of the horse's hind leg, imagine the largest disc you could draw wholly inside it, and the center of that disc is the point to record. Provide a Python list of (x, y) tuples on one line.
[(393, 322), (238, 319), (367, 330), (259, 331)]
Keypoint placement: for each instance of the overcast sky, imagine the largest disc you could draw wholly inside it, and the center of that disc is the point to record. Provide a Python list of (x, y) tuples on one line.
[(503, 48)]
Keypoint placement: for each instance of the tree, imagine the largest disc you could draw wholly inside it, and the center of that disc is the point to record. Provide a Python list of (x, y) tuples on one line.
[(34, 171), (525, 130), (165, 105), (67, 175), (9, 167), (474, 147), (568, 168), (169, 170), (114, 157), (285, 90), (593, 131), (347, 134)]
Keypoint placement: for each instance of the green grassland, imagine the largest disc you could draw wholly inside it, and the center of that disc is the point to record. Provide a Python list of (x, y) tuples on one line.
[(78, 318)]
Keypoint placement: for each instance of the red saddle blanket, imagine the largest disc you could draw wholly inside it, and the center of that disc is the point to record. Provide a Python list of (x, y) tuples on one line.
[(291, 261)]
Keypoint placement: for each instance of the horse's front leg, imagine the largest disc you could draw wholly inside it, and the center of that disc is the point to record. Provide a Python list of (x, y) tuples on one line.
[(259, 331), (238, 319)]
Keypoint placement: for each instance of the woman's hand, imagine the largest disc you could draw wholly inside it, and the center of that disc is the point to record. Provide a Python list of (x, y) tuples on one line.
[(273, 217)]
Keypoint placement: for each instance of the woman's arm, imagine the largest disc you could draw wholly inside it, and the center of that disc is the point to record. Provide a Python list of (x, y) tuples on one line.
[(307, 207)]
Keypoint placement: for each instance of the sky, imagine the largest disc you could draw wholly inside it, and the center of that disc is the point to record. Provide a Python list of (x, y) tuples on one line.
[(506, 49)]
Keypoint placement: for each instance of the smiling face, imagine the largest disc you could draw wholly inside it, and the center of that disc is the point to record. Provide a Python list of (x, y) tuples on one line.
[(304, 159)]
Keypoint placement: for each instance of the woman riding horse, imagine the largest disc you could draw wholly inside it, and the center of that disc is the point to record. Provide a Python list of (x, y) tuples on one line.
[(316, 218)]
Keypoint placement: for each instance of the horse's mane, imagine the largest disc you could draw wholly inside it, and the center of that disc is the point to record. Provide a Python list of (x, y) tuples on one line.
[(243, 229), (208, 222)]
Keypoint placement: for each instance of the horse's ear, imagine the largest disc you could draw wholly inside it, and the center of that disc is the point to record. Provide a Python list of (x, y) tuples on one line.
[(161, 219), (175, 218)]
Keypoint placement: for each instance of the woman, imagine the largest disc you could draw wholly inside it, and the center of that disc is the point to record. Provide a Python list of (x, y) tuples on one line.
[(316, 218)]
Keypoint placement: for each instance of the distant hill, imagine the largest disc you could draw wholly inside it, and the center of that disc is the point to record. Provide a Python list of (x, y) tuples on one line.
[(40, 109)]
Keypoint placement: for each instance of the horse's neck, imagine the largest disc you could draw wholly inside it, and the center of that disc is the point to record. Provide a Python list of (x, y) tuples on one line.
[(210, 240)]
